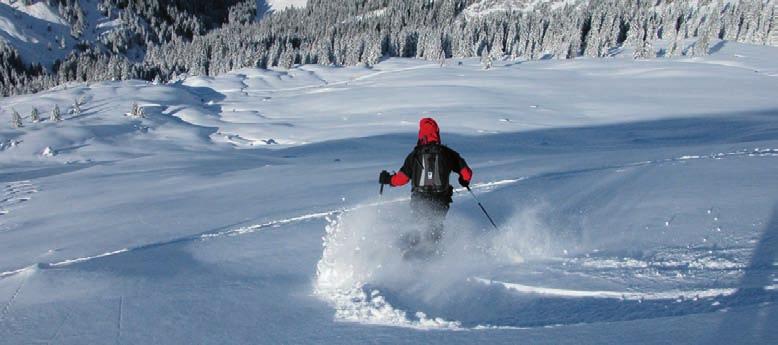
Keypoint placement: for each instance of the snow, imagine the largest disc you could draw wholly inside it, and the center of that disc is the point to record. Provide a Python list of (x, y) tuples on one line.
[(40, 10), (625, 295), (278, 5), (486, 7), (635, 202), (26, 28), (36, 30)]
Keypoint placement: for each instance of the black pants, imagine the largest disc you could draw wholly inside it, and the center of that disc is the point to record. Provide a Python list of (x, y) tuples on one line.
[(429, 212)]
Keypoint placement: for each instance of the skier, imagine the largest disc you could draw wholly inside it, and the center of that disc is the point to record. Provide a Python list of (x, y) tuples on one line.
[(428, 167)]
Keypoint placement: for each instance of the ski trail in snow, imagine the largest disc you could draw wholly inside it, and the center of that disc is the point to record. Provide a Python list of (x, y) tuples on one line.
[(272, 224), (621, 295), (7, 307), (87, 258), (59, 328), (14, 272), (15, 195), (321, 215), (119, 321), (486, 186)]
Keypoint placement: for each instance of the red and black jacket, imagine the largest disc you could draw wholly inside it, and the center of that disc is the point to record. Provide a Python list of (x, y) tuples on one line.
[(451, 161)]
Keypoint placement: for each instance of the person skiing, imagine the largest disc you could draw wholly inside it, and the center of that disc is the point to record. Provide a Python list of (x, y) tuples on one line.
[(428, 168)]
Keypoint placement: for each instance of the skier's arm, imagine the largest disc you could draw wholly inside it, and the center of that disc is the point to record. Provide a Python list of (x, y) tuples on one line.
[(461, 168), (403, 176)]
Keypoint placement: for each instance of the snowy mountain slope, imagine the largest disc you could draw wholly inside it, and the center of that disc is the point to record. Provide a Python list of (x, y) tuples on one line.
[(147, 40), (635, 201), (42, 35), (35, 30), (484, 7), (279, 5)]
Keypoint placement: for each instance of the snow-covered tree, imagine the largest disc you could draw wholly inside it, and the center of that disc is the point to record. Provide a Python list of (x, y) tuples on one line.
[(442, 58), (137, 111), (205, 37), (702, 46), (16, 119), (76, 107), (35, 115), (56, 114), (487, 61), (643, 47)]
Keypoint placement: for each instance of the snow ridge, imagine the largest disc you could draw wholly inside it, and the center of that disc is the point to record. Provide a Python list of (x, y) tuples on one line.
[(621, 295)]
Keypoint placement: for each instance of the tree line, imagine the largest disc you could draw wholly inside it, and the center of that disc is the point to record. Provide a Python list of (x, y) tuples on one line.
[(182, 37)]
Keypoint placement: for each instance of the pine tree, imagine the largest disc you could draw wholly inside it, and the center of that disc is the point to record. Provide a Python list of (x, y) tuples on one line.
[(643, 47), (772, 34), (76, 108), (137, 111), (205, 37), (34, 115), (486, 61), (56, 114), (702, 46), (16, 119)]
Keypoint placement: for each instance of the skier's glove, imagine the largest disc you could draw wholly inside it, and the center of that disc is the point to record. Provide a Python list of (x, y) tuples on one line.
[(463, 182), (385, 178)]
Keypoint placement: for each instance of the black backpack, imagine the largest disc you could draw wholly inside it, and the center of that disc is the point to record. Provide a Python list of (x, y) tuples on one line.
[(429, 170)]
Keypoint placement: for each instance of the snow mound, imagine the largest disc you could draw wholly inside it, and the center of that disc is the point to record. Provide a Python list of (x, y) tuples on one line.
[(48, 152)]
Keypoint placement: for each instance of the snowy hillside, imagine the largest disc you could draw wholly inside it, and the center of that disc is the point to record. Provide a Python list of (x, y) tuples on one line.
[(163, 40), (36, 30), (282, 4), (484, 7), (635, 200)]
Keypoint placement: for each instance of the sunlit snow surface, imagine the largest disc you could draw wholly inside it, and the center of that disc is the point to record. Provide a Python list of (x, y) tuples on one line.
[(279, 5), (38, 31), (636, 203)]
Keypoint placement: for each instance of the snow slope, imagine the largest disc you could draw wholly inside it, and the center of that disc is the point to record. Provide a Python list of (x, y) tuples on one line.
[(283, 4), (38, 31), (33, 29), (635, 202), (484, 7), (263, 6)]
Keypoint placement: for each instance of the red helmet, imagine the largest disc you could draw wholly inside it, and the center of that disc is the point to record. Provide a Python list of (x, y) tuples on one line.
[(428, 131)]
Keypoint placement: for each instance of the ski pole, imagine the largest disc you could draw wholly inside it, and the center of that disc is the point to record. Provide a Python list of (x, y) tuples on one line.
[(482, 208)]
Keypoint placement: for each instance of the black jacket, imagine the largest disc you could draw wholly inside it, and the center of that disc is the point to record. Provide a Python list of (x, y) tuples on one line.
[(446, 161)]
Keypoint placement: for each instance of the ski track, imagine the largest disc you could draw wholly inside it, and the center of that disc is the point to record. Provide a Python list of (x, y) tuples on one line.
[(620, 295), (358, 306), (486, 187), (59, 328), (14, 195), (119, 321), (241, 230), (369, 306), (7, 307)]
